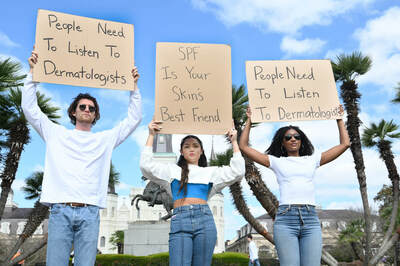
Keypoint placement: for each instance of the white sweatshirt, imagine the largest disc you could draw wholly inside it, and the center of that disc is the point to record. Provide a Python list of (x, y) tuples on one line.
[(77, 164)]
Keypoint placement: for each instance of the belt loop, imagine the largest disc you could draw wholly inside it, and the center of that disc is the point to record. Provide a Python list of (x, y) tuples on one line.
[(308, 207), (290, 206)]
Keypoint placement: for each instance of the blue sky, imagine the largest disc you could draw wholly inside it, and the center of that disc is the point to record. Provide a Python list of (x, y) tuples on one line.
[(256, 30)]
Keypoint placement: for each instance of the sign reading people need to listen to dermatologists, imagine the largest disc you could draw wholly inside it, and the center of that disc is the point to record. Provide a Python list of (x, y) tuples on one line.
[(193, 88), (292, 90), (82, 51)]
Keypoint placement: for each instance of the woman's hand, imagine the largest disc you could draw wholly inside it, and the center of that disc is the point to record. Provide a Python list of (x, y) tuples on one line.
[(248, 113), (232, 133), (154, 127)]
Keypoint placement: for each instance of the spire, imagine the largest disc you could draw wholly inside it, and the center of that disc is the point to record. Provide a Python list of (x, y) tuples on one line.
[(162, 143), (212, 155)]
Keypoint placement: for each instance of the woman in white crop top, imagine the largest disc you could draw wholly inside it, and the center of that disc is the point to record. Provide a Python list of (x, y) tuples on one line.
[(190, 182), (297, 230)]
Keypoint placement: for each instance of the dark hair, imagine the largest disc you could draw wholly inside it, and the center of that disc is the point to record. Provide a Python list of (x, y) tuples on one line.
[(278, 150), (74, 104), (184, 165), (250, 236)]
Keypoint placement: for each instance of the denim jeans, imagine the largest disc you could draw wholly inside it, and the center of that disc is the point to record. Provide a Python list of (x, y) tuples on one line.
[(255, 262), (297, 236), (77, 225), (193, 236)]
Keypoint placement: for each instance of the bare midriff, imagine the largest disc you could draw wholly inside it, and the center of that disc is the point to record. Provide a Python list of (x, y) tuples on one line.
[(188, 201)]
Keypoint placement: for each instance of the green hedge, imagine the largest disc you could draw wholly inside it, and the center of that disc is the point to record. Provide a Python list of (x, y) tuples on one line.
[(160, 259)]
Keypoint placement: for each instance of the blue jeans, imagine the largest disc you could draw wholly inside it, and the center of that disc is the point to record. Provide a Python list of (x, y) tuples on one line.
[(193, 236), (297, 236), (255, 262), (67, 225)]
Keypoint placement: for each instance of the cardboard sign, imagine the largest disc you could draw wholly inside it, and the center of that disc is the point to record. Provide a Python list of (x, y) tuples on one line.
[(82, 51), (292, 90), (193, 88)]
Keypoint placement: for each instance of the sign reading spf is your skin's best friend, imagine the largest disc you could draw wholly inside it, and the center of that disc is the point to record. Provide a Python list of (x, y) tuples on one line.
[(292, 90), (193, 88), (82, 51)]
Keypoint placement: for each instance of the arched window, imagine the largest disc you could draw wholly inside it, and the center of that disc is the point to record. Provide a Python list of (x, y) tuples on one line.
[(102, 241), (105, 213), (112, 211), (222, 212), (215, 211)]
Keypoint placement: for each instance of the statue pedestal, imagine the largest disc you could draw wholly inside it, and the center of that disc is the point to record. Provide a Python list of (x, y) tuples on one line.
[(143, 238)]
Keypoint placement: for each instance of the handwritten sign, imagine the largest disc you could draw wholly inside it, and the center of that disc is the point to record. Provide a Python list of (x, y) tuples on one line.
[(291, 90), (82, 51), (193, 88)]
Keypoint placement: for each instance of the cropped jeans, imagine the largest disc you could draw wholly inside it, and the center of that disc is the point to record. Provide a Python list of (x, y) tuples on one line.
[(297, 235), (77, 225), (193, 236)]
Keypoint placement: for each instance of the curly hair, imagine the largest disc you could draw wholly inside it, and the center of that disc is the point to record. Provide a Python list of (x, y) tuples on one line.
[(74, 104), (184, 165), (278, 150)]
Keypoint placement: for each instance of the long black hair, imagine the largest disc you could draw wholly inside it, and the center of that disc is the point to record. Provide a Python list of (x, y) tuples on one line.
[(184, 165), (278, 150)]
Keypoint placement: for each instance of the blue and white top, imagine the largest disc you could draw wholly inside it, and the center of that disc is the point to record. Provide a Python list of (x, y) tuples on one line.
[(203, 182)]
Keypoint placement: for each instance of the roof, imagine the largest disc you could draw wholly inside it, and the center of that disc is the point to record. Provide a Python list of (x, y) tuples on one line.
[(18, 213)]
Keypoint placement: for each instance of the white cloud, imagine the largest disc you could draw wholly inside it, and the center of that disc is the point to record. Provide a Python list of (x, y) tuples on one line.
[(37, 168), (286, 16), (6, 41), (292, 46), (17, 185), (380, 38), (123, 186)]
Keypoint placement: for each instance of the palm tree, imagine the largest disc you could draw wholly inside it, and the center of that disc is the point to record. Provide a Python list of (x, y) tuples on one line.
[(253, 177), (346, 69), (377, 136), (9, 78), (353, 234), (17, 130), (397, 98), (32, 189), (113, 179), (9, 74), (117, 241)]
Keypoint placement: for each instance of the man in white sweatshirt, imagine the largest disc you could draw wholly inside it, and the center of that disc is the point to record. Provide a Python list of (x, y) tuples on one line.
[(77, 167), (253, 252)]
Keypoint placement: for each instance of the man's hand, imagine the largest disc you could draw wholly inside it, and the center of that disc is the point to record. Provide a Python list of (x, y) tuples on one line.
[(135, 74), (32, 60)]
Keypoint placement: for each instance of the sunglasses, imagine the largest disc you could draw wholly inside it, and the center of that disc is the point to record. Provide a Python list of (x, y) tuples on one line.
[(289, 137), (82, 107)]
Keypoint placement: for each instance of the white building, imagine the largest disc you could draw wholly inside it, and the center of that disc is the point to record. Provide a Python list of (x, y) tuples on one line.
[(114, 218)]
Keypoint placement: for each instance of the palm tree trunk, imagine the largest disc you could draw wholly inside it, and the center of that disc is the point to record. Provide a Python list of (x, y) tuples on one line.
[(351, 96), (357, 250), (36, 217), (241, 206), (384, 248), (18, 137), (328, 259), (27, 252), (385, 152)]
